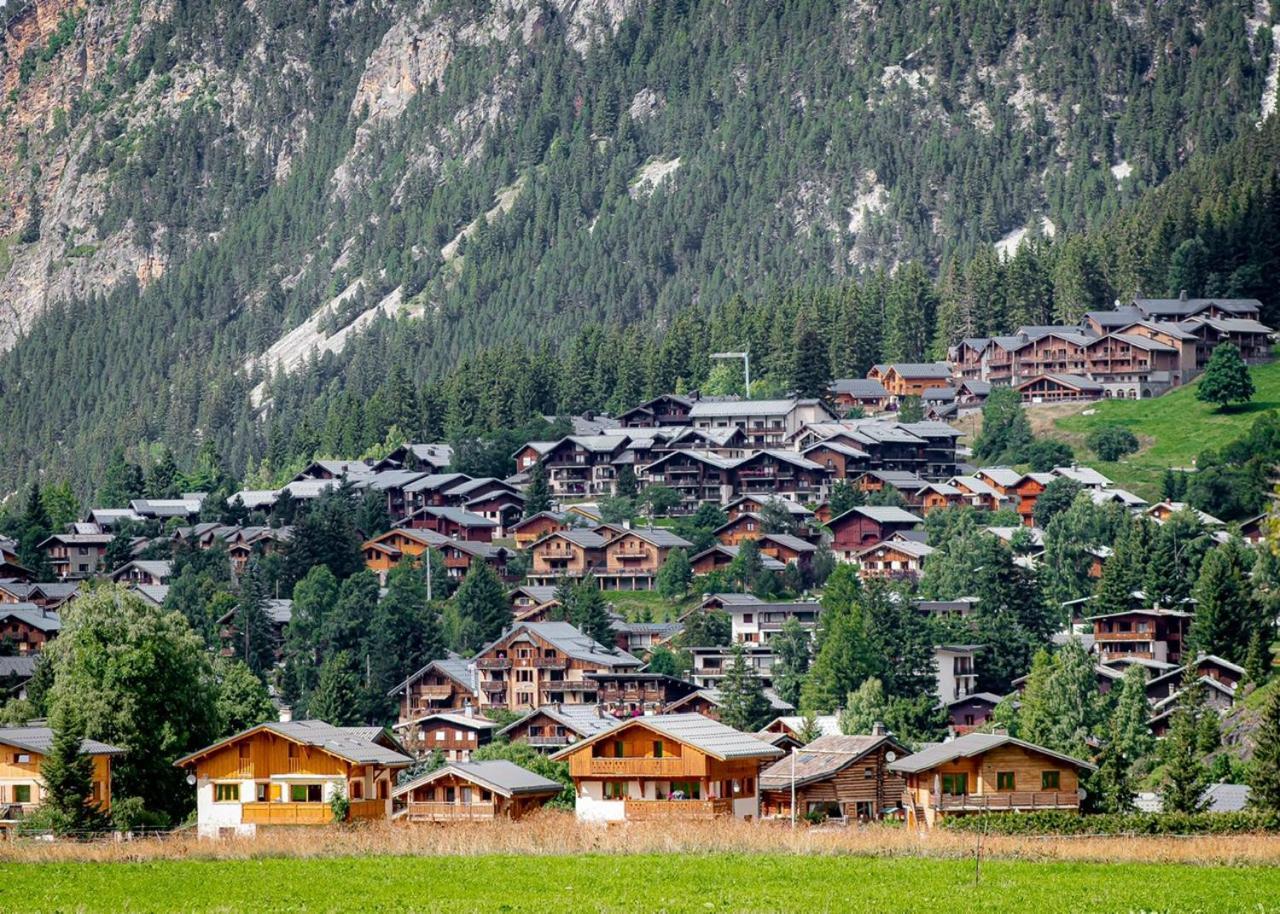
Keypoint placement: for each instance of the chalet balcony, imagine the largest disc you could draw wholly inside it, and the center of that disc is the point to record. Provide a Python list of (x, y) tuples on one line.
[(544, 742), (661, 810), (1138, 634), (493, 663), (286, 814), (435, 692), (1015, 799), (550, 663), (450, 812), (639, 767), (567, 685), (493, 685)]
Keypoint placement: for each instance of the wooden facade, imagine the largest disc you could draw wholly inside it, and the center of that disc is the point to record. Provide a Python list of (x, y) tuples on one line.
[(22, 788), (839, 777)]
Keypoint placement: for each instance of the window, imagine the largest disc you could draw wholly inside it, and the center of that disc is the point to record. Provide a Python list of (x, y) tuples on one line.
[(263, 791), (22, 793), (1050, 780), (1004, 780), (955, 784), (22, 758), (618, 751), (226, 793), (616, 790), (747, 618), (450, 794), (868, 774), (305, 793), (685, 790), (657, 748), (357, 790)]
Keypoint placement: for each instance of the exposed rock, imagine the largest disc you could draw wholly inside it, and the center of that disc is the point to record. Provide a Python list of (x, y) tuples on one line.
[(651, 176), (646, 104)]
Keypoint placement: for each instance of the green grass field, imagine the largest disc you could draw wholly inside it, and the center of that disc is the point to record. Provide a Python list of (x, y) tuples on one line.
[(1173, 429), (631, 603), (643, 884)]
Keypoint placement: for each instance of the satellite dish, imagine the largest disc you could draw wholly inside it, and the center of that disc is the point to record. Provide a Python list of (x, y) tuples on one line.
[(891, 756), (191, 779), (1081, 793)]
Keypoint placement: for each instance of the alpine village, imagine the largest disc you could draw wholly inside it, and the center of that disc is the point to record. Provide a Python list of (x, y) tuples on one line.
[(824, 419)]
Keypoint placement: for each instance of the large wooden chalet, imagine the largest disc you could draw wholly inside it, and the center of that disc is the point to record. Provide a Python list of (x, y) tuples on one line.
[(474, 792), (987, 772), (667, 767), (841, 777), (22, 786)]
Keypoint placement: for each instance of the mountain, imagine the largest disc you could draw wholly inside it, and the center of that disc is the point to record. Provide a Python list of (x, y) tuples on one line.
[(197, 194)]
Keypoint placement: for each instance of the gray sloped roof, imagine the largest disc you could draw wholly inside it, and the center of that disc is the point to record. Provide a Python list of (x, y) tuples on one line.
[(921, 369), (969, 745), (40, 739), (858, 387), (702, 733), (1226, 797), (584, 720), (355, 744), (44, 620), (453, 666), (820, 759), (23, 666), (791, 542), (708, 409), (499, 775), (661, 537), (571, 642), (883, 514)]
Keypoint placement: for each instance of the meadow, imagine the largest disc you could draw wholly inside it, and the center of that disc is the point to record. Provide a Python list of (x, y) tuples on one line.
[(548, 863), (645, 884)]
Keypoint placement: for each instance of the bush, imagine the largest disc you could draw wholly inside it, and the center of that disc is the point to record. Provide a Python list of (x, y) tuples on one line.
[(1111, 442), (1138, 823), (131, 814), (1044, 455)]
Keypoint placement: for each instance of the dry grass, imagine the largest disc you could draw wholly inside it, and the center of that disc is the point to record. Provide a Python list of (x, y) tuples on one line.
[(556, 833)]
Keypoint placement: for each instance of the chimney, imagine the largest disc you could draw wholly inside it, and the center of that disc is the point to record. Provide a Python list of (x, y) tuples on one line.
[(1182, 296), (877, 729), (286, 714), (999, 731), (468, 711)]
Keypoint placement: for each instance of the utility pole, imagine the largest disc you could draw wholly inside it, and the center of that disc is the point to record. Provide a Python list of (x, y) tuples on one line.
[(746, 366)]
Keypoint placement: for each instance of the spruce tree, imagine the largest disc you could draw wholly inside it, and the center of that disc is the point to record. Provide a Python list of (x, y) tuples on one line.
[(1185, 773), (743, 704), (675, 575), (255, 642), (338, 697), (810, 366), (537, 495), (1257, 661), (35, 529), (1264, 772), (68, 779), (1226, 616), (591, 615), (482, 605)]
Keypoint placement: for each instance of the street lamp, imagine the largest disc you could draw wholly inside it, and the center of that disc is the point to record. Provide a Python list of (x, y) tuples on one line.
[(746, 365)]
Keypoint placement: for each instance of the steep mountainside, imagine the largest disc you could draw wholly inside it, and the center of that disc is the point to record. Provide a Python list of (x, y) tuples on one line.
[(214, 189)]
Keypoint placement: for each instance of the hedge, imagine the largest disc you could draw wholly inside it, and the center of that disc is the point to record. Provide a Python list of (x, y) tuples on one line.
[(1138, 823)]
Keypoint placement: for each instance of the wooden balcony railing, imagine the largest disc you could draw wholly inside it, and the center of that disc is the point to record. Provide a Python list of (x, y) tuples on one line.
[(367, 809), (286, 814), (1014, 799), (639, 767), (493, 663), (650, 810), (452, 812), (543, 741)]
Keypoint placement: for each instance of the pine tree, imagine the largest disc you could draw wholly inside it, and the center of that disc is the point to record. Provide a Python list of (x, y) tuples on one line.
[(1226, 615), (537, 495), (791, 651), (1185, 774), (810, 368), (591, 615), (675, 575), (1123, 571), (863, 708), (162, 479), (743, 704), (844, 497), (1264, 773), (121, 482), (68, 779), (482, 604), (1257, 662), (1128, 742), (809, 729), (255, 642), (1226, 379), (35, 529), (337, 698)]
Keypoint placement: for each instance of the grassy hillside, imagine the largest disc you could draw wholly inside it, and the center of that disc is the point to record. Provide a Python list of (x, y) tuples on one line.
[(1172, 429), (713, 882)]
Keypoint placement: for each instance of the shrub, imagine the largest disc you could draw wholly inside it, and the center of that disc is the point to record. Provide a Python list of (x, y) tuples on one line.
[(1111, 442), (1137, 823)]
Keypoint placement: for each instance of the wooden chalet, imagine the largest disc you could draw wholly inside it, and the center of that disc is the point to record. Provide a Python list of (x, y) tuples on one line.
[(1060, 388), (863, 393), (633, 559), (936, 496), (143, 571), (474, 792), (1207, 666), (27, 628), (459, 555), (718, 557), (840, 777), (787, 549), (565, 554), (977, 494), (386, 551), (662, 410), (453, 734), (455, 523), (74, 556), (1022, 489), (530, 596), (441, 685), (1147, 634), (893, 560), (971, 711), (909, 485), (667, 767), (541, 663), (756, 504), (528, 531), (866, 525), (552, 727), (911, 379), (288, 773), (987, 772), (744, 525), (22, 787), (630, 693)]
